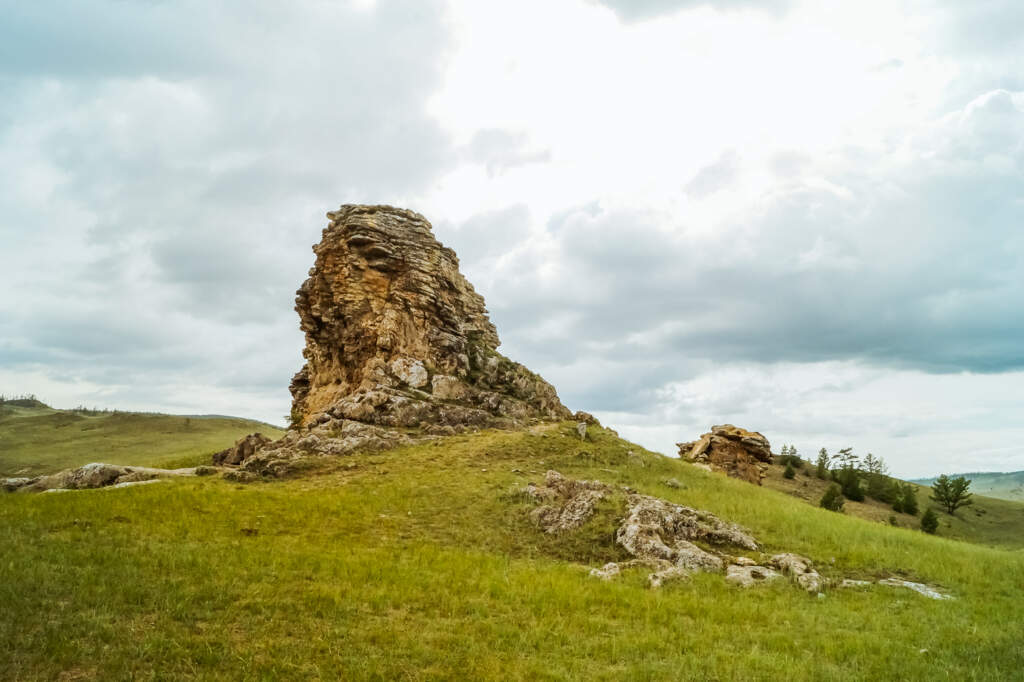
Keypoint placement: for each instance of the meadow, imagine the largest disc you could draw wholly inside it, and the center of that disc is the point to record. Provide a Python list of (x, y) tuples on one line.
[(421, 563), (42, 440)]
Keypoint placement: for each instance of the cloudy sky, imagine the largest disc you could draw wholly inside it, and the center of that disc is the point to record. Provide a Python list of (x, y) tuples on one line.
[(804, 218)]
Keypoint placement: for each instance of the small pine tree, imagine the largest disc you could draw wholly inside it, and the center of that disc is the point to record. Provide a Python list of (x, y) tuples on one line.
[(909, 499), (929, 522), (833, 498), (822, 464), (849, 480), (790, 472)]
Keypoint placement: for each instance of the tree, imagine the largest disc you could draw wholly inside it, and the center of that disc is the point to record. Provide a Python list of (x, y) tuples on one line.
[(929, 522), (878, 481), (822, 463), (908, 497), (849, 480), (790, 472), (951, 493), (833, 498)]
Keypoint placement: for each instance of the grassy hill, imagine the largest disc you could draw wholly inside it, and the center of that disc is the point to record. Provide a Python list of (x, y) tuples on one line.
[(988, 520), (421, 563), (1006, 486), (37, 439)]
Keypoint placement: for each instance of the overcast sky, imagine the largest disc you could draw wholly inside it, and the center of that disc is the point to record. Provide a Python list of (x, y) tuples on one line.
[(803, 218)]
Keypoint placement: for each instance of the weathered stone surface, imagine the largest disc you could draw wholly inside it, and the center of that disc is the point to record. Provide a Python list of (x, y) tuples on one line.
[(243, 448), (800, 569), (748, 576), (94, 475), (567, 504), (386, 312), (737, 452)]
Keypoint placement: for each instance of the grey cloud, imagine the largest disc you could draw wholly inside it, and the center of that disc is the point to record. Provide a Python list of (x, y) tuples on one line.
[(917, 264), (639, 10), (174, 162)]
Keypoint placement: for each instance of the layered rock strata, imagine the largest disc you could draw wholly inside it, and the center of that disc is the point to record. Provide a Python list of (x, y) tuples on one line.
[(731, 450), (399, 347)]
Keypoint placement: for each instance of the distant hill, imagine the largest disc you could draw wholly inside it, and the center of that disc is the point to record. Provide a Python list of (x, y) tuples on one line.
[(1005, 486), (990, 520), (37, 439)]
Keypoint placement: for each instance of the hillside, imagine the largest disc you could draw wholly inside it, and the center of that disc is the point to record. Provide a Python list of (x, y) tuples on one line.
[(988, 520), (1003, 485), (423, 563), (37, 439)]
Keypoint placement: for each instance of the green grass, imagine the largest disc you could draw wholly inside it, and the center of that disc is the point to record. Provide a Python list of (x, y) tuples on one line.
[(41, 440), (420, 563)]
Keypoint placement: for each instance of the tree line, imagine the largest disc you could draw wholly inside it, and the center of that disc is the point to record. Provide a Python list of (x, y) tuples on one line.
[(855, 478)]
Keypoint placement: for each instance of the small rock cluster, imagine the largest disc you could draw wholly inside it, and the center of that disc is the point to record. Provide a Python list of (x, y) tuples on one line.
[(663, 535), (729, 449)]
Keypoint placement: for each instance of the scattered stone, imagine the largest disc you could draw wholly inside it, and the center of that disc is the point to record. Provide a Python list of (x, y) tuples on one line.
[(606, 572), (581, 429), (743, 561), (586, 418), (673, 483), (920, 588), (748, 576), (94, 475), (239, 476), (737, 452), (800, 569)]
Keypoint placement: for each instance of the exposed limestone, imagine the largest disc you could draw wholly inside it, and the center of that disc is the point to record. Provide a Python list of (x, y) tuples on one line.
[(674, 540), (95, 475), (748, 576), (920, 588), (567, 504), (737, 452)]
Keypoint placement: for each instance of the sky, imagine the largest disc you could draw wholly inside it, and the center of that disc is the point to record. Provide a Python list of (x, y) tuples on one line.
[(803, 218)]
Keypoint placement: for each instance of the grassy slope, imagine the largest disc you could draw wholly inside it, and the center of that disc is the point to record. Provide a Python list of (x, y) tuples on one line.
[(1006, 486), (42, 440), (987, 521), (420, 563)]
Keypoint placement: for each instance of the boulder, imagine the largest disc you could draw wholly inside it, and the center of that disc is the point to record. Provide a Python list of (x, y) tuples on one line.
[(243, 449), (729, 449)]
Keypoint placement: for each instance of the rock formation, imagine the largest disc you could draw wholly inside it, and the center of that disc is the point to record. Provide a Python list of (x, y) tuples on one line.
[(664, 536), (396, 336), (737, 452), (398, 347)]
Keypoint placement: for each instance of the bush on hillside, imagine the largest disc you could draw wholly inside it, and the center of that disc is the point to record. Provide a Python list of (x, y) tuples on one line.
[(833, 498), (929, 522), (790, 472)]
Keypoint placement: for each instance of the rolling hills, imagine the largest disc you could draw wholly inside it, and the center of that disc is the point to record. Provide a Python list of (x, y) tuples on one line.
[(37, 439), (1003, 485), (423, 563)]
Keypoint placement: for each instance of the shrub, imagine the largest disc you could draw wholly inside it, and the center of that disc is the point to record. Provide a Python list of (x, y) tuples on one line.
[(909, 499), (849, 482), (790, 472), (929, 522), (833, 498)]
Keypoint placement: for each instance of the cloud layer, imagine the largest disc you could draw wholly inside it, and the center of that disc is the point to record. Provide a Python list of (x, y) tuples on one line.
[(695, 210)]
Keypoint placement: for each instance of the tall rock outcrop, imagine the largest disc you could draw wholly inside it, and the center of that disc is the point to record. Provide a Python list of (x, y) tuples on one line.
[(397, 337), (734, 451)]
